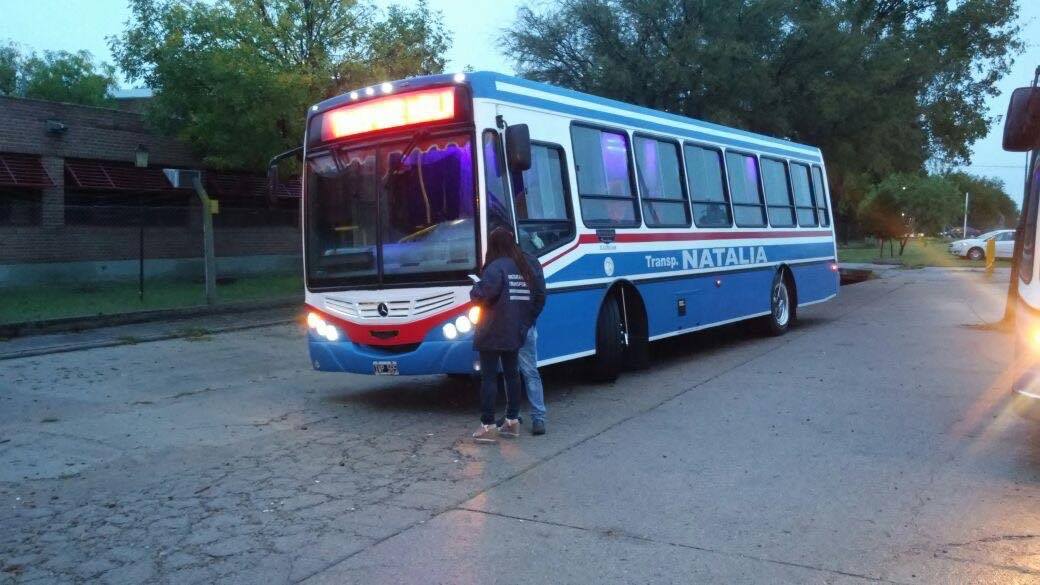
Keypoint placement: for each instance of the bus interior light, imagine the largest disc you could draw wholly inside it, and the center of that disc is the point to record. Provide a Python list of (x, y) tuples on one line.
[(386, 112)]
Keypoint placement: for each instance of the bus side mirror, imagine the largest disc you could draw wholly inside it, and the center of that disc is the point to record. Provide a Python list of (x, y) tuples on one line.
[(518, 147), (1022, 124)]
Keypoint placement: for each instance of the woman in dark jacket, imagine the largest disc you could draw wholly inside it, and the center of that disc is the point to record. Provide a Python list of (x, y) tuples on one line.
[(504, 297)]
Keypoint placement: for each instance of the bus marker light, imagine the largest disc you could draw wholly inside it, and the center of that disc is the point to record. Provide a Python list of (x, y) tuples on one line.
[(459, 77), (370, 91), (450, 332), (390, 111), (386, 87), (353, 95), (474, 314)]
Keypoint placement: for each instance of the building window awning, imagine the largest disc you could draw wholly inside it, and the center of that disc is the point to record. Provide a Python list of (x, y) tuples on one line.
[(114, 176), (23, 170)]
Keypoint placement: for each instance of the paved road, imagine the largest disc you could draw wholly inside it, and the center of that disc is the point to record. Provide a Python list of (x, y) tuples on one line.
[(870, 444)]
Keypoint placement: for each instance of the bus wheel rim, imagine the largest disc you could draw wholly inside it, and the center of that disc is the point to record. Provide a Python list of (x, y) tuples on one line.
[(781, 309)]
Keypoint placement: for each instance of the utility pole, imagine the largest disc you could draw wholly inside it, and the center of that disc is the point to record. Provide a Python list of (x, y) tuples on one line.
[(964, 233), (210, 261), (186, 179)]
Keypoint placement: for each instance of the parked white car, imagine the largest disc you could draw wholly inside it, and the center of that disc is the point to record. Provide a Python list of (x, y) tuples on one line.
[(975, 248)]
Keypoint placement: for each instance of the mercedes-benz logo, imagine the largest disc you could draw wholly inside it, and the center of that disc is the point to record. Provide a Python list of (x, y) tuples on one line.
[(383, 309)]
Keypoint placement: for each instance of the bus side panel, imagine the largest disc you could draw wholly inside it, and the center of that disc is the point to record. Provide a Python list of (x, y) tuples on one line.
[(567, 325), (815, 282), (709, 299)]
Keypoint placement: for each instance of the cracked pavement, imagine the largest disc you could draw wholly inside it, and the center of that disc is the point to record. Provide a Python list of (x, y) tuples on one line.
[(871, 444)]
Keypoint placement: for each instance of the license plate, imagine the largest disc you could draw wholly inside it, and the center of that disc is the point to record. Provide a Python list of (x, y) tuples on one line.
[(384, 368)]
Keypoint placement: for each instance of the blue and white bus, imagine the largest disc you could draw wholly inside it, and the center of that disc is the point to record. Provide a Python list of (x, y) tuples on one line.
[(648, 224)]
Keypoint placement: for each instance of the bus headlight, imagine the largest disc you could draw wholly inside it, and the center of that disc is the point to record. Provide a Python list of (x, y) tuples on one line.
[(450, 332), (313, 320), (463, 324), (474, 314), (323, 329)]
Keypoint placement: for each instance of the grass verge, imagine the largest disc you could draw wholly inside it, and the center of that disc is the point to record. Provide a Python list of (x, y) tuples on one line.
[(59, 301), (919, 252)]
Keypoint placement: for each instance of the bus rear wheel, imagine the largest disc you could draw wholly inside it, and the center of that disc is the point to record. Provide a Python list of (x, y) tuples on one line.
[(610, 342), (781, 306)]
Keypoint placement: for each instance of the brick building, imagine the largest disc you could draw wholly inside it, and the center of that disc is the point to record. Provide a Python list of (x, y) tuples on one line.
[(74, 204)]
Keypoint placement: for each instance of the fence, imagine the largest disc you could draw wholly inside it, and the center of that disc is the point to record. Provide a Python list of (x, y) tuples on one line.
[(125, 254)]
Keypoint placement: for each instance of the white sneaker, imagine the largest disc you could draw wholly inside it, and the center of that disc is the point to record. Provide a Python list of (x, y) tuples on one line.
[(510, 428), (485, 434)]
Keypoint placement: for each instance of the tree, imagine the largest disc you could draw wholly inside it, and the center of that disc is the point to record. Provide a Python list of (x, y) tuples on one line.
[(881, 86), (60, 76), (989, 207), (57, 76), (9, 57), (906, 204), (234, 77)]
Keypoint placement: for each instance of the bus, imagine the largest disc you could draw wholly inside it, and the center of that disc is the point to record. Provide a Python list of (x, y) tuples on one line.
[(647, 224), (1022, 312)]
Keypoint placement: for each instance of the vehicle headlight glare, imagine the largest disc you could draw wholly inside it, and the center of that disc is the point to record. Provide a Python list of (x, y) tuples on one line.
[(474, 314), (313, 320), (450, 332), (331, 333), (463, 324)]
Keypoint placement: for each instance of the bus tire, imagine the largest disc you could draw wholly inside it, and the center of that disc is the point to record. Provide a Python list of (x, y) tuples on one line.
[(637, 353), (610, 347), (781, 305), (976, 254)]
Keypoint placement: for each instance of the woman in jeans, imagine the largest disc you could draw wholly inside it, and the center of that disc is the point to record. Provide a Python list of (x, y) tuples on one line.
[(504, 296)]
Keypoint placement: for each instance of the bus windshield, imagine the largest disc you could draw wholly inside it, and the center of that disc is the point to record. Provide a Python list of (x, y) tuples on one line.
[(397, 213)]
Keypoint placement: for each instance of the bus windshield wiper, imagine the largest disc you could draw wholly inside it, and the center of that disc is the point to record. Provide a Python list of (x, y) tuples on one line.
[(404, 154)]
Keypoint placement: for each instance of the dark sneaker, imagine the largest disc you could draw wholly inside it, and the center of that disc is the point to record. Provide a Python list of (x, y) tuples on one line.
[(485, 434), (510, 428), (537, 427)]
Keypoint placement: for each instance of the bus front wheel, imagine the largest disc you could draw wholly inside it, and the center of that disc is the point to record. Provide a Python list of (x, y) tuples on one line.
[(610, 342)]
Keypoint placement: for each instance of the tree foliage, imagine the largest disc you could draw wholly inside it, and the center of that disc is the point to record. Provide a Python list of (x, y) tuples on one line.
[(57, 76), (882, 86), (989, 206), (234, 77)]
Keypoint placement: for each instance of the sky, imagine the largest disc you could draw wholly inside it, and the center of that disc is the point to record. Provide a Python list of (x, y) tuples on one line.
[(72, 25)]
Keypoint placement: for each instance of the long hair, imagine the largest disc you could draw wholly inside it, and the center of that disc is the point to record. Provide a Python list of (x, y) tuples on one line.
[(502, 244)]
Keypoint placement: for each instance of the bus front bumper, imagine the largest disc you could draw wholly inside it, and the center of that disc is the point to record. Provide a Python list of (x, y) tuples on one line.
[(429, 357)]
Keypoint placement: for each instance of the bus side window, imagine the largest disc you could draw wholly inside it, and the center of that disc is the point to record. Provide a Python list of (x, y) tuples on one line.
[(748, 208), (820, 194), (707, 186), (498, 211), (803, 195), (544, 218), (660, 183), (604, 172), (778, 193)]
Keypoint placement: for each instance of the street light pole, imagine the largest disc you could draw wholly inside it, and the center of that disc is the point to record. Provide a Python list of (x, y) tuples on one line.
[(964, 232)]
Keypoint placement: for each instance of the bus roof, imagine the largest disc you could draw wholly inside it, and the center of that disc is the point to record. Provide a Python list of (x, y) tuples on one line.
[(523, 92)]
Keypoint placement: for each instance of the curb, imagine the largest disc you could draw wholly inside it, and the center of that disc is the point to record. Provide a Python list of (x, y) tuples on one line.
[(69, 347), (67, 324)]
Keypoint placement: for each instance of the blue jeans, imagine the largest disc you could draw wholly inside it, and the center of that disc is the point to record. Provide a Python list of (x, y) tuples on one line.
[(489, 361), (529, 374)]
